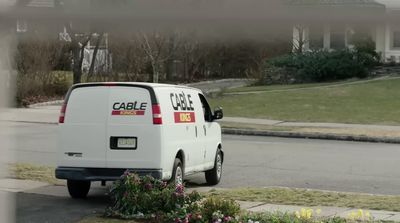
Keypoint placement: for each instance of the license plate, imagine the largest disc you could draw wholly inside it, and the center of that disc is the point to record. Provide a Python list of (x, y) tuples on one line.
[(126, 143)]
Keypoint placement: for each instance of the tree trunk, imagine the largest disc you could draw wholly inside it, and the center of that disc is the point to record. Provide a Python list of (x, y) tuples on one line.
[(155, 73), (77, 71), (78, 53), (185, 68), (96, 49), (170, 61)]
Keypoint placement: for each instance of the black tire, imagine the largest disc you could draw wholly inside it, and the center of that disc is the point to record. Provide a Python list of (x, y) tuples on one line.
[(176, 171), (78, 188), (213, 176)]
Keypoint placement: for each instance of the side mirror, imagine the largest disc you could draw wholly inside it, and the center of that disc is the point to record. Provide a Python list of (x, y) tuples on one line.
[(218, 114)]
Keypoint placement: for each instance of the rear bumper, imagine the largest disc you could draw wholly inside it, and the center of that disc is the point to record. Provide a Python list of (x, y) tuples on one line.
[(99, 174)]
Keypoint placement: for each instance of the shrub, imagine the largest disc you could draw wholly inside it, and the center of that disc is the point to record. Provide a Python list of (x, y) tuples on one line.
[(319, 66), (152, 200), (155, 200), (35, 61), (146, 197), (31, 89), (217, 208)]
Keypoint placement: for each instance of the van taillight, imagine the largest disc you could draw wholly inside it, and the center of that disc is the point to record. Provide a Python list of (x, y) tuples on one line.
[(157, 119), (62, 113)]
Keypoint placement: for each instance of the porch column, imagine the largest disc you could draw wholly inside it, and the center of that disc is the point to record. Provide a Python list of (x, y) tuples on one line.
[(380, 40), (327, 37), (301, 38)]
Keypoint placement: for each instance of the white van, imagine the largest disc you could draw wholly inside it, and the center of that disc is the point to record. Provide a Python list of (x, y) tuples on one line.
[(165, 131)]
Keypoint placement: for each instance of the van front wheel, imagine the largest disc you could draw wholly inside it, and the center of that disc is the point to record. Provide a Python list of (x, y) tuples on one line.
[(213, 176), (78, 188), (177, 172)]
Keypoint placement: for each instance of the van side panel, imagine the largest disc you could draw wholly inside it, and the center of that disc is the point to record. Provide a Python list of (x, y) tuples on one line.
[(179, 127), (83, 133), (129, 114)]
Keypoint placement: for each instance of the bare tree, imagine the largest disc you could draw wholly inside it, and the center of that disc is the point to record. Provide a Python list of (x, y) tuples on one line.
[(157, 50), (94, 56), (128, 58), (78, 43), (191, 56)]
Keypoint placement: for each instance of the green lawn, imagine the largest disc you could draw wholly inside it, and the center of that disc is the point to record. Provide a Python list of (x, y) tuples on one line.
[(285, 87), (376, 102), (26, 171), (310, 198)]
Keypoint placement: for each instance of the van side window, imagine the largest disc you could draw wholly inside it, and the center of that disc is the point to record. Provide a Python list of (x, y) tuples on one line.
[(206, 109)]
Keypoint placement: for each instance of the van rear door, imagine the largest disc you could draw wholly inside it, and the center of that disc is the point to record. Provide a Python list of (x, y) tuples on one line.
[(134, 141), (83, 133)]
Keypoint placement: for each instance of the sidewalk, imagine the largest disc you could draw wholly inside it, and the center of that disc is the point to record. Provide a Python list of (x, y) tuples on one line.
[(48, 114), (325, 211), (42, 114), (38, 188), (333, 131)]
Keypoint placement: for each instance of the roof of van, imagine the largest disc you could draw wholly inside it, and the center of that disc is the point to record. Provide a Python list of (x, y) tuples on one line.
[(153, 85)]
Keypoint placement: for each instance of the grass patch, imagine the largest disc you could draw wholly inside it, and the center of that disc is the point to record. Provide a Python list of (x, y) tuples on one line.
[(234, 125), (26, 171), (284, 87), (97, 219), (317, 130), (373, 102), (311, 198)]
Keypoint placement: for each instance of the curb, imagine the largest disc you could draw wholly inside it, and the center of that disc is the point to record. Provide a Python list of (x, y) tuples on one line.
[(220, 81), (300, 135), (56, 102), (296, 135), (33, 122), (212, 92)]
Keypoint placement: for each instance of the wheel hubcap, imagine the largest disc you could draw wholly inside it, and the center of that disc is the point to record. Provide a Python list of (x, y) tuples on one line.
[(219, 166), (178, 176)]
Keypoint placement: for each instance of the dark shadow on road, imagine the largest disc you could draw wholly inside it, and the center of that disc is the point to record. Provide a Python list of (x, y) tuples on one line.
[(53, 204), (38, 208)]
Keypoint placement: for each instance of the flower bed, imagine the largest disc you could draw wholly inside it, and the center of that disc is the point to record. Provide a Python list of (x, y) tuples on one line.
[(150, 200)]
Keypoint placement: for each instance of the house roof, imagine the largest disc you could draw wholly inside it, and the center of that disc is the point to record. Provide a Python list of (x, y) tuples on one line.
[(41, 3), (390, 4), (363, 3), (337, 10)]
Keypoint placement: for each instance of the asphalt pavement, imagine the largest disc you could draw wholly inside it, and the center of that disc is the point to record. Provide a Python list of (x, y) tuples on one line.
[(52, 204), (30, 135), (39, 208), (261, 161)]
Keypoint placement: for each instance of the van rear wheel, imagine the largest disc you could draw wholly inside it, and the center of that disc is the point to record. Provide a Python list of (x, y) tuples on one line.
[(177, 172), (78, 188), (213, 176)]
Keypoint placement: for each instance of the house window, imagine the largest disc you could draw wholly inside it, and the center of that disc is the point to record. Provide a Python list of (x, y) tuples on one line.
[(316, 38), (396, 39), (338, 38), (95, 38), (22, 26)]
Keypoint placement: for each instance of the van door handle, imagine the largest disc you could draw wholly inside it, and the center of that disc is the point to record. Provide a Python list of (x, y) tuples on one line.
[(205, 130), (195, 129)]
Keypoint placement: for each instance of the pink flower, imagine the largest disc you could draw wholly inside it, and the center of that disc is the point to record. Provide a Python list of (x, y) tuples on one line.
[(126, 173), (179, 188), (227, 218), (148, 186), (198, 216), (177, 220)]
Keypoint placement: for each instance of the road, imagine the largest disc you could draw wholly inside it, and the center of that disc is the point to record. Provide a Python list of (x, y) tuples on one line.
[(261, 161)]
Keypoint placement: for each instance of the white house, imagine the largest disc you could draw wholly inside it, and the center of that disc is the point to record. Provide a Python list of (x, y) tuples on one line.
[(335, 24)]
